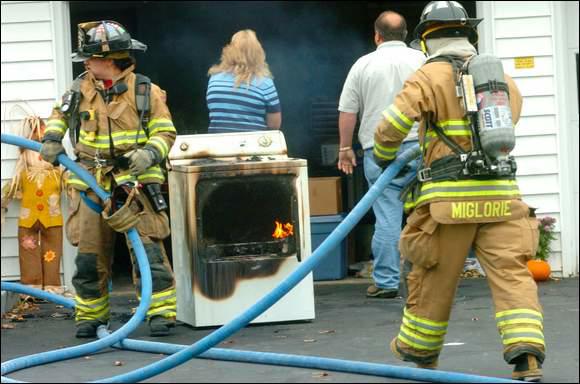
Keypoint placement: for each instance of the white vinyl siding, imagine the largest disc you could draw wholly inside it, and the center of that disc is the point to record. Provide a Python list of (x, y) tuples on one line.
[(524, 31), (29, 86)]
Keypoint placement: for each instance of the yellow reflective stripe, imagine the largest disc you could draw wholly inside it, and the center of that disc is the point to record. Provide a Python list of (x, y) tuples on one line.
[(54, 129), (119, 138), (416, 345), (520, 321), (124, 178), (421, 340), (56, 123), (163, 129), (395, 123), (170, 303), (152, 172), (85, 315), (450, 133), (167, 309), (160, 144), (415, 326), (401, 115), (151, 176), (382, 148), (468, 188), (398, 119), (446, 123), (92, 144), (106, 145), (469, 183), (88, 310), (159, 147), (117, 134), (160, 125), (160, 295), (466, 194), (520, 311), (380, 155), (159, 122), (522, 330), (437, 324), (385, 152), (420, 335)]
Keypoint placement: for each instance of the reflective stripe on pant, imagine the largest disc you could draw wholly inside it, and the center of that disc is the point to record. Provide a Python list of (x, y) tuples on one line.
[(502, 249), (94, 260), (163, 300), (91, 310)]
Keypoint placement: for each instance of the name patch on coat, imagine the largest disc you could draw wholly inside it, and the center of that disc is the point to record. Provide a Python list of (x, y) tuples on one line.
[(479, 209)]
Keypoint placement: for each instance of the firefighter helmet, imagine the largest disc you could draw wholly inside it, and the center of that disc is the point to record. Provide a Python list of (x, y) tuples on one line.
[(104, 39), (444, 18)]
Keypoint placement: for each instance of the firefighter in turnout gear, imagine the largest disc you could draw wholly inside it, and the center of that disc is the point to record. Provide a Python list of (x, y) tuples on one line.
[(459, 201), (121, 130)]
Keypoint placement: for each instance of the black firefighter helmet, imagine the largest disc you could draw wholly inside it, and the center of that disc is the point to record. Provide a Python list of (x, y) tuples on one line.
[(105, 39), (444, 19)]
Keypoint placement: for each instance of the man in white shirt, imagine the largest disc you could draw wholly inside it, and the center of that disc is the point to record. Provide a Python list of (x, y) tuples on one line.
[(372, 84)]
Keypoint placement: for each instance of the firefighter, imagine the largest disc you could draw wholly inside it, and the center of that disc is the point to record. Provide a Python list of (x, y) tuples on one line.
[(121, 130), (453, 207)]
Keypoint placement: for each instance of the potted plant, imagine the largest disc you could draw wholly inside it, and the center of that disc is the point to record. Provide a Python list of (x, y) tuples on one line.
[(538, 266)]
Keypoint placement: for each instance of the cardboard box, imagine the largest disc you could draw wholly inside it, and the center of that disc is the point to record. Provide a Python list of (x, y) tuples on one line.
[(325, 194)]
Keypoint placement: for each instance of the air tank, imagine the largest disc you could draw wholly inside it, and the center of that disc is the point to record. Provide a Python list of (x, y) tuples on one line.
[(495, 123)]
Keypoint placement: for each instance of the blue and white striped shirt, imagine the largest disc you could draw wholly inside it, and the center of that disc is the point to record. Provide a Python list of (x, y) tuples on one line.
[(242, 108)]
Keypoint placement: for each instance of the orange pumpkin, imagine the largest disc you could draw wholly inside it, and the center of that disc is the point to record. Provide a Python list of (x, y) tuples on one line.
[(540, 269)]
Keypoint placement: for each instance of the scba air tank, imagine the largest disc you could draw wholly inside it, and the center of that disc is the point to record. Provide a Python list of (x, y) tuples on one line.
[(496, 129)]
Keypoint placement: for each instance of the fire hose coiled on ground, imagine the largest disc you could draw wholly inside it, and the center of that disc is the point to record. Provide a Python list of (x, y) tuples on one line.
[(179, 354)]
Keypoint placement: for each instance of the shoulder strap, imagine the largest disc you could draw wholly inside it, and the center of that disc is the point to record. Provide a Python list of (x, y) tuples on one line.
[(143, 100), (457, 64), (74, 122)]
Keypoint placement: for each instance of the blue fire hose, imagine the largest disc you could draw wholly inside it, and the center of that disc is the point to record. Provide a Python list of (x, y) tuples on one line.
[(179, 354), (144, 269)]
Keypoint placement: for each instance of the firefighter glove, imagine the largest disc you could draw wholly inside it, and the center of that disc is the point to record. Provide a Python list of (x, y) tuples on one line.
[(140, 159), (50, 150)]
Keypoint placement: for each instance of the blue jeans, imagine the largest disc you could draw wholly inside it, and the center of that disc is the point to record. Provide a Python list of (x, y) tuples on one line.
[(388, 211)]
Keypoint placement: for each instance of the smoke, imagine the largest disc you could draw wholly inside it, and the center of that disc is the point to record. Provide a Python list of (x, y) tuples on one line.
[(310, 47)]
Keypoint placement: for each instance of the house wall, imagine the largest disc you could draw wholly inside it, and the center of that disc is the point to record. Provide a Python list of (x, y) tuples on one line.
[(33, 52), (513, 31)]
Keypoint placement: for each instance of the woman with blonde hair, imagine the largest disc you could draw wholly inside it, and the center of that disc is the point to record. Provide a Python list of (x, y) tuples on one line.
[(241, 95)]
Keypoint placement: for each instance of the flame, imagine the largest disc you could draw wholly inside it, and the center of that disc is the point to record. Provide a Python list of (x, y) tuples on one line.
[(282, 231)]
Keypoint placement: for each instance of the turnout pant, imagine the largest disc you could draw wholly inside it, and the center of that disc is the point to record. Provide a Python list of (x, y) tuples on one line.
[(86, 229), (437, 253)]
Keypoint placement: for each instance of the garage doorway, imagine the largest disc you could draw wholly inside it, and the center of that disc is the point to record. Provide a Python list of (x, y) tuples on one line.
[(310, 47)]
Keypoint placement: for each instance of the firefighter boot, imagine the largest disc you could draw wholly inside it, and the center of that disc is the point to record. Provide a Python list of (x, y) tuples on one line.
[(88, 329), (159, 325), (424, 364), (527, 368)]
